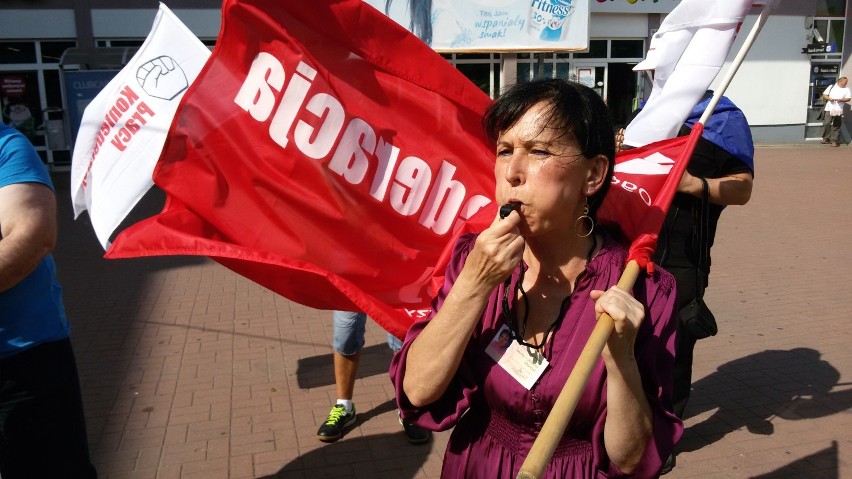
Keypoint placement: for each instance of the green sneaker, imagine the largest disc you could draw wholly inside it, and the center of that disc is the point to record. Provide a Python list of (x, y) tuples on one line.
[(335, 423)]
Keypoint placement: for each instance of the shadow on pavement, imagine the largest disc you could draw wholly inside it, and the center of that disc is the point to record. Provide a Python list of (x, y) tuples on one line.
[(387, 406), (820, 465), (318, 371), (752, 391), (380, 455), (106, 304)]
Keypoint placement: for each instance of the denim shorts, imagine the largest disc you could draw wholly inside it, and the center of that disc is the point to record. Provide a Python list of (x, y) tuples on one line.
[(349, 327)]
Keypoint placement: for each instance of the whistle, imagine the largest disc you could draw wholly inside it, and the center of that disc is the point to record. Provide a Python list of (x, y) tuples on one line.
[(506, 209)]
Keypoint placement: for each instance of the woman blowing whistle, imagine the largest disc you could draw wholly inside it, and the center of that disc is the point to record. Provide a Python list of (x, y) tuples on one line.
[(544, 274)]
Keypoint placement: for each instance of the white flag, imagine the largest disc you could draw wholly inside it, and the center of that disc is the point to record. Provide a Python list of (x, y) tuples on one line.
[(124, 128), (686, 53)]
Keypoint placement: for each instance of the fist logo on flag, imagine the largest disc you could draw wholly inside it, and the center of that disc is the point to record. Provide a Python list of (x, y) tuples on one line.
[(162, 78), (124, 128)]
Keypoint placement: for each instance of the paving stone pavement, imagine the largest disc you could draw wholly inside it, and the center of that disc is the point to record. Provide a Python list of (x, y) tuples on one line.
[(191, 371)]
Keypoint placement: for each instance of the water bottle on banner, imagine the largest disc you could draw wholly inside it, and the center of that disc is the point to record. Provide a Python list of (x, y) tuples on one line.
[(548, 17)]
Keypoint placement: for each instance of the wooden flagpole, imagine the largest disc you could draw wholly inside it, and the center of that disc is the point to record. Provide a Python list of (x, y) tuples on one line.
[(556, 422)]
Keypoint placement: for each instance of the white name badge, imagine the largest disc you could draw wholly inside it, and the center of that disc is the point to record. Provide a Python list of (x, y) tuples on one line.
[(523, 363)]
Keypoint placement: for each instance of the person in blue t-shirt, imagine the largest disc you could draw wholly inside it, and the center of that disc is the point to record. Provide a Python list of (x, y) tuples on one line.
[(42, 427)]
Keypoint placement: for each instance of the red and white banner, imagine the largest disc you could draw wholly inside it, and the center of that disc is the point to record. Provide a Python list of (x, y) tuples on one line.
[(643, 185), (123, 129), (316, 160)]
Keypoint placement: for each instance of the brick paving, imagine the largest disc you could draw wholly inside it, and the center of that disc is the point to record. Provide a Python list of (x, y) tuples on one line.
[(191, 371)]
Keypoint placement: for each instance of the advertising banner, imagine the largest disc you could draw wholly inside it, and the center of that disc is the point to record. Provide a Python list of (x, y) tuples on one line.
[(493, 25), (633, 6)]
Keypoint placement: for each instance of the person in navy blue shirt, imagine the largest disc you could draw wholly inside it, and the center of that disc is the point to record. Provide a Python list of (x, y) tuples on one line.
[(42, 426)]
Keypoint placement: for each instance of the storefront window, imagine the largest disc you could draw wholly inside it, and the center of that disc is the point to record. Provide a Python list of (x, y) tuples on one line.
[(124, 43), (835, 34), (562, 70), (52, 89), (831, 34), (31, 95), (523, 71), (478, 73), (543, 70), (627, 49), (17, 52), (483, 69), (597, 49), (51, 52), (541, 65), (830, 8), (20, 103)]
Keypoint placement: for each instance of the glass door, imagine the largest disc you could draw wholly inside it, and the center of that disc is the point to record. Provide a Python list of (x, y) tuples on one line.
[(592, 75)]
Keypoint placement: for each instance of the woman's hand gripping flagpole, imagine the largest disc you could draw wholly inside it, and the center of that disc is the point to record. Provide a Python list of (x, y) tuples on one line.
[(557, 421), (554, 427), (638, 259)]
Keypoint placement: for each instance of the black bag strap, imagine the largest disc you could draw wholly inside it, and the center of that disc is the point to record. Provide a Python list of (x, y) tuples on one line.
[(703, 235)]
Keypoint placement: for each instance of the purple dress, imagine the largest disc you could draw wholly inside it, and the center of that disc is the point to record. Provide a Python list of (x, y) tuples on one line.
[(496, 419)]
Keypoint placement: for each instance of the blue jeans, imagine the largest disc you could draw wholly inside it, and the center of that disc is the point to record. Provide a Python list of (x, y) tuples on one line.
[(349, 327)]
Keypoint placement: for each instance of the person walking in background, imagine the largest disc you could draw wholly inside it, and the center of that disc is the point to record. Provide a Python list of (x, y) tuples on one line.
[(349, 328), (836, 97), (719, 173), (42, 426)]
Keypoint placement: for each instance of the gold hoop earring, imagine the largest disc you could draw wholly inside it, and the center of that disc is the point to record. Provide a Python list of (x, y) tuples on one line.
[(584, 218)]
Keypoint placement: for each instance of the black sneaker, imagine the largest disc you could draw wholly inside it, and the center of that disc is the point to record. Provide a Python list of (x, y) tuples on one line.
[(338, 420), (414, 433), (669, 465)]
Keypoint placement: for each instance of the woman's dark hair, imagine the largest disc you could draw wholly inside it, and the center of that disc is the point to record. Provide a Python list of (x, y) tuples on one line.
[(575, 109), (421, 18)]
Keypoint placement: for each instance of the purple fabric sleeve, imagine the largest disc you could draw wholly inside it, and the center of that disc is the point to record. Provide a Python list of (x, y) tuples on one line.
[(480, 393), (655, 358), (444, 413)]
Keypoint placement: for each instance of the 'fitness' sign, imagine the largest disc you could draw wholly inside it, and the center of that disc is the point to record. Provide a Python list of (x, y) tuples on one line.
[(493, 25)]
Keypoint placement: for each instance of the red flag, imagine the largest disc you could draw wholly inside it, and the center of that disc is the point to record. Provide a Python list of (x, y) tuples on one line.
[(325, 153), (643, 185)]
